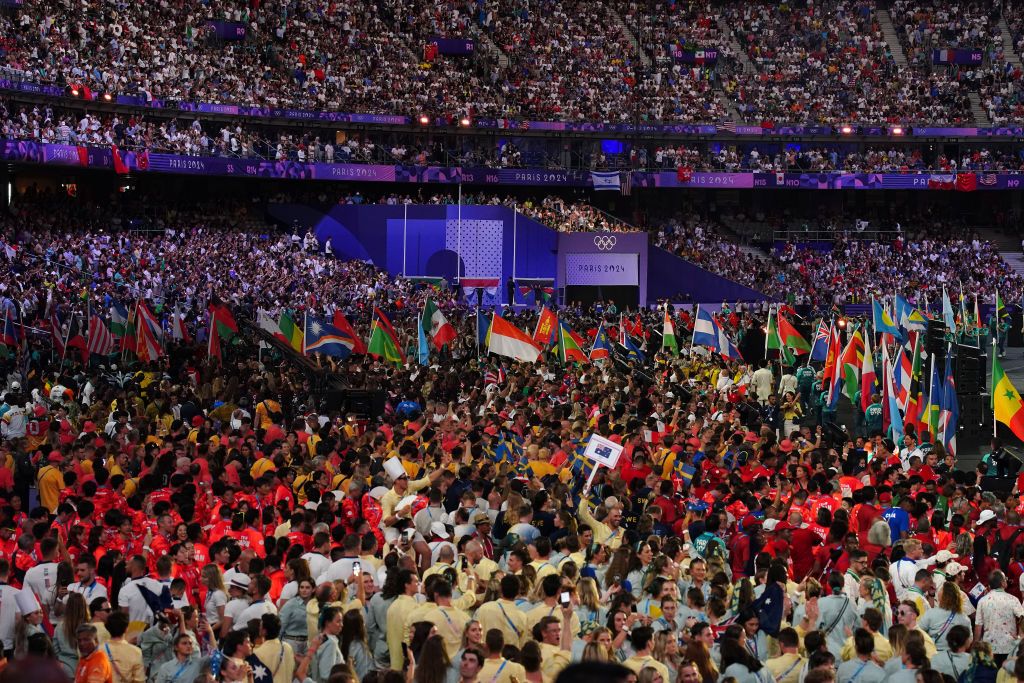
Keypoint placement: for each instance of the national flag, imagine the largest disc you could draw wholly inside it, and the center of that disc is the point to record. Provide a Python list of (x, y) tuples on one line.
[(949, 414), (707, 332), (892, 408), (178, 329), (268, 324), (344, 327), (668, 336), (1006, 402), (508, 340), (977, 315), (119, 166), (819, 350), (290, 332), (867, 375), (602, 347), (67, 335), (547, 327), (790, 337), (902, 371), (966, 182), (118, 319), (422, 345), (483, 329), (606, 180), (570, 345), (947, 312), (883, 322), (850, 364), (632, 351), (435, 325), (999, 306), (384, 340), (941, 181), (833, 374), (148, 318), (935, 399), (322, 337), (772, 340), (101, 341), (9, 334), (908, 317), (10, 251), (222, 327)]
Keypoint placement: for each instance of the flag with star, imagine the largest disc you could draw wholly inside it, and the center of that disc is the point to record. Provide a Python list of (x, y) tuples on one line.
[(322, 337), (1006, 401)]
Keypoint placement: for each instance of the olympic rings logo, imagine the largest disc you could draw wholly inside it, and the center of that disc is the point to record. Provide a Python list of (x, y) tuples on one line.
[(605, 242)]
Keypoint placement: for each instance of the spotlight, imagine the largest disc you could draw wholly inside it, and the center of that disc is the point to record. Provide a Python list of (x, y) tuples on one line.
[(74, 92), (464, 122), (896, 130), (841, 323), (846, 130), (424, 120), (107, 97)]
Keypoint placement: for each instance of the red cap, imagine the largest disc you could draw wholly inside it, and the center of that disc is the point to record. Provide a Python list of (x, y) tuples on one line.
[(782, 526), (89, 427), (197, 420), (39, 411), (885, 497), (787, 446), (693, 441), (491, 429), (55, 456), (750, 521)]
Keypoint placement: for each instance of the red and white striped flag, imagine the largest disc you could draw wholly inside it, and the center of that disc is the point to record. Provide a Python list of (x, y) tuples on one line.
[(101, 341)]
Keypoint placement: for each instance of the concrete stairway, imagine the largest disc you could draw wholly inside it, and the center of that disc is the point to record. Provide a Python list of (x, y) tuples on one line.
[(1006, 244), (491, 48), (741, 54), (892, 37), (1015, 260), (617, 20), (978, 110), (1007, 39)]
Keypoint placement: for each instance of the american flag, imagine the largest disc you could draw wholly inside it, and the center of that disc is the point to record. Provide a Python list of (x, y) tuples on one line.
[(627, 184), (727, 127), (101, 341)]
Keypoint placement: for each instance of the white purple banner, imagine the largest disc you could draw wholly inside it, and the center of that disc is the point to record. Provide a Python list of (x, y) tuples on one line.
[(595, 268)]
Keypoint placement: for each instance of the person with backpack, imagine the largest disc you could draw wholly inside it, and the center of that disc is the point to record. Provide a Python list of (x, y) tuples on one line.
[(836, 614)]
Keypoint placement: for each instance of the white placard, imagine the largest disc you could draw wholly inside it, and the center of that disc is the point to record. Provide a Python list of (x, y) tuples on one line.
[(603, 451)]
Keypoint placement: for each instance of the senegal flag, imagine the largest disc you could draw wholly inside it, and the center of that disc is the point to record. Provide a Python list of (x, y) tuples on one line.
[(570, 345), (384, 341), (1006, 402), (668, 336)]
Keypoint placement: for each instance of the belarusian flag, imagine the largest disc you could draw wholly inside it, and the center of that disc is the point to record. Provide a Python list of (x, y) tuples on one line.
[(570, 345), (222, 326), (435, 325), (668, 336), (1006, 402), (790, 338), (384, 340)]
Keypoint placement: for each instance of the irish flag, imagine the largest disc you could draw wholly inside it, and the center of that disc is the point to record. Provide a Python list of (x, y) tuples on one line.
[(668, 336), (435, 325), (508, 340)]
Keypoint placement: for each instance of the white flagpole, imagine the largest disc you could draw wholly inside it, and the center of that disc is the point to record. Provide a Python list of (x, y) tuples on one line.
[(694, 336)]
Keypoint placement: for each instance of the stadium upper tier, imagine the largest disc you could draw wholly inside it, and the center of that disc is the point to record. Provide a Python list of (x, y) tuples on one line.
[(622, 61)]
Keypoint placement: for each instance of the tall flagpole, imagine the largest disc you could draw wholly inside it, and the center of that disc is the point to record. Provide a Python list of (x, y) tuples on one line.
[(992, 381), (694, 336)]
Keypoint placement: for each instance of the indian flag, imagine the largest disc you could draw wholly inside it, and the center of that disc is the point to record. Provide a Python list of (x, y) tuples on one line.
[(668, 336)]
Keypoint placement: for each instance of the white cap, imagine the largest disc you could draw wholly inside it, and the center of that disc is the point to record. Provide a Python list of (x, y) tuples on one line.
[(769, 524), (393, 466), (944, 556), (440, 530), (986, 516), (378, 492), (240, 581), (27, 603), (954, 568)]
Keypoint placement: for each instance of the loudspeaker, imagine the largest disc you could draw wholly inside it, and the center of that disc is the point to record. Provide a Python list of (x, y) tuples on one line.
[(970, 370), (1001, 486), (935, 339), (975, 419)]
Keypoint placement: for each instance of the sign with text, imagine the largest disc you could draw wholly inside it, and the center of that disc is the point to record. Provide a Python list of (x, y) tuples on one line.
[(603, 451), (595, 268), (706, 56), (963, 56), (454, 46)]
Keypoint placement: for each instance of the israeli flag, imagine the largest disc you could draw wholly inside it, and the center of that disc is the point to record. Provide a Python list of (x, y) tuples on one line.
[(606, 180)]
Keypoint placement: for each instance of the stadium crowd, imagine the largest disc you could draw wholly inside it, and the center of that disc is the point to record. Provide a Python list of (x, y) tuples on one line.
[(821, 62), (185, 519)]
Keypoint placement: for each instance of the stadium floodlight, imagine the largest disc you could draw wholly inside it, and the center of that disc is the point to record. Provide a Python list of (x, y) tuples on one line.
[(424, 120), (896, 130)]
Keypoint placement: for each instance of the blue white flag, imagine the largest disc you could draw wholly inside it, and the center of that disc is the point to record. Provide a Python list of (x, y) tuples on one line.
[(606, 180)]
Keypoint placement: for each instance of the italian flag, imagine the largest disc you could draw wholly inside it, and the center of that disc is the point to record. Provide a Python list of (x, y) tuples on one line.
[(1006, 401), (384, 340), (435, 325), (668, 336)]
